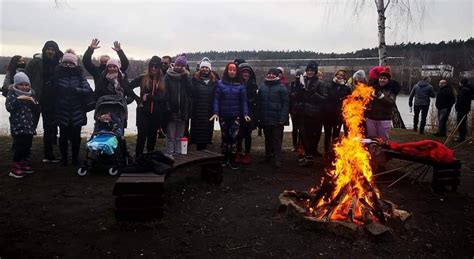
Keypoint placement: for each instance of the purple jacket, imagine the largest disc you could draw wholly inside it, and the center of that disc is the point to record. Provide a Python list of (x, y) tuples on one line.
[(230, 100)]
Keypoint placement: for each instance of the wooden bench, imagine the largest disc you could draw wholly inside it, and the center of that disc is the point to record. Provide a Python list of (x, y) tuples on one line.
[(139, 196), (443, 174)]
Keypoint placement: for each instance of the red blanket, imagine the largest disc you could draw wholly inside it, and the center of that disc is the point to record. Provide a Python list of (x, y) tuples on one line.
[(425, 149)]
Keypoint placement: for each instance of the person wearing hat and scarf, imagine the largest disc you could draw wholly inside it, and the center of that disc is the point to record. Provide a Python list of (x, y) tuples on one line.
[(178, 91), (96, 71), (151, 105), (230, 105), (379, 112), (272, 111), (313, 96), (22, 106), (40, 70), (337, 92), (70, 87), (203, 85), (296, 113), (112, 81), (245, 131)]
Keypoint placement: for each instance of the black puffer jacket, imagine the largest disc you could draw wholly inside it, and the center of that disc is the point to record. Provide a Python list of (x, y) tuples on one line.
[(203, 98), (178, 90), (336, 94), (272, 104), (70, 88), (251, 88), (313, 97)]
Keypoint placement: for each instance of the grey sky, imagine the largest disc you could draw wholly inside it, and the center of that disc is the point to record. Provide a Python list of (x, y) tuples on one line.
[(147, 28)]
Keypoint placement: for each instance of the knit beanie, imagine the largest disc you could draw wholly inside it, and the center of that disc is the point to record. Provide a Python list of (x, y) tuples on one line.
[(70, 56), (386, 73), (312, 65), (155, 61), (115, 62), (205, 62), (374, 72), (239, 61), (281, 69), (359, 75), (274, 71), (181, 60), (20, 77)]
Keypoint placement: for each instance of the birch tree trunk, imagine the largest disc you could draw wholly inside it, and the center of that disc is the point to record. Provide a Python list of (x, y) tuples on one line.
[(381, 26)]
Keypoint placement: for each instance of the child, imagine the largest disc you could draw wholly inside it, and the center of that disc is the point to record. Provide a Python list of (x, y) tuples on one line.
[(22, 106), (109, 122)]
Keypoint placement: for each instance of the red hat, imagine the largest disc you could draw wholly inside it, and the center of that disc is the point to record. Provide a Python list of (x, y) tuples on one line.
[(374, 72)]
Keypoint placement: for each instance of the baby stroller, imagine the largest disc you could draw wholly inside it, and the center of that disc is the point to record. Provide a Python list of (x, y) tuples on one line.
[(106, 148)]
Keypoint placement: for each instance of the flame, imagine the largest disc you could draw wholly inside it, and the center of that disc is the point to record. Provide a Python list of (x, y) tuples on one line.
[(351, 174)]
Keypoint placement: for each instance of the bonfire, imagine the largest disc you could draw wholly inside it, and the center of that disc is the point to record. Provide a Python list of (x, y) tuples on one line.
[(347, 192)]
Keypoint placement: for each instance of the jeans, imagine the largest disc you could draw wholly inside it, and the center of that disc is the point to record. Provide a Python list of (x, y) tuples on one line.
[(443, 116), (424, 113), (378, 128), (175, 130)]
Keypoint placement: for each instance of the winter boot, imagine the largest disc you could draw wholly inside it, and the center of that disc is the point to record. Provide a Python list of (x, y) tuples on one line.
[(238, 158), (247, 159)]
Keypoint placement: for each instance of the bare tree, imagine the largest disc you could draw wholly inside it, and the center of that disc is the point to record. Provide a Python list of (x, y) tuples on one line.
[(401, 11)]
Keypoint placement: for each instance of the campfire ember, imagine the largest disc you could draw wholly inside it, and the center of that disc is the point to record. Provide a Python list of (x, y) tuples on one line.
[(346, 193)]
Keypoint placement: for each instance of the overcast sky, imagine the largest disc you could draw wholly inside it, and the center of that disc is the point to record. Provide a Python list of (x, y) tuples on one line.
[(147, 28)]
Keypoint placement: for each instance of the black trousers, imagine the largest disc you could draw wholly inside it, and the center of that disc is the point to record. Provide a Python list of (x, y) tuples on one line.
[(49, 132), (273, 140), (147, 126), (245, 135), (69, 134), (22, 147), (312, 128), (424, 113), (463, 126), (332, 130)]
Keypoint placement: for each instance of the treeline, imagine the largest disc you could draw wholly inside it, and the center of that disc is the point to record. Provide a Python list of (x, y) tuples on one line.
[(458, 53)]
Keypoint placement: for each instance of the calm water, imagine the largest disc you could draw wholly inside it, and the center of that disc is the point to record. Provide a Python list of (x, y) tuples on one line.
[(402, 102)]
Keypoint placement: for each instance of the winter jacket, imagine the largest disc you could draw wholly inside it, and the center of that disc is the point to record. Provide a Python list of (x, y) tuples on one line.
[(203, 98), (336, 94), (463, 102), (96, 71), (422, 92), (381, 108), (103, 86), (313, 97), (272, 103), (296, 106), (230, 100), (22, 114), (178, 91), (251, 88), (445, 98), (155, 102), (40, 71), (71, 88)]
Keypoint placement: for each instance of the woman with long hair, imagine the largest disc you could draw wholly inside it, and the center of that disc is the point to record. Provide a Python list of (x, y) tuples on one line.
[(17, 64), (150, 105), (230, 104)]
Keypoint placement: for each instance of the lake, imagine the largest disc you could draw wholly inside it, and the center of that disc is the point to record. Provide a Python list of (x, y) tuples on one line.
[(402, 102)]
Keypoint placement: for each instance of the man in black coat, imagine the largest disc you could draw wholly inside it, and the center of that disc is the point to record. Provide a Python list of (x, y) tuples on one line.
[(444, 102), (463, 106), (40, 70)]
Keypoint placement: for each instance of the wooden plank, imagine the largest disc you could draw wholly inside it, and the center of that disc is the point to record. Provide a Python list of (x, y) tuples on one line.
[(138, 201), (143, 188), (142, 179)]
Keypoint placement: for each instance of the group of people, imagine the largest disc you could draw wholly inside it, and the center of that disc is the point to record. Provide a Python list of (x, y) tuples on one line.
[(174, 100)]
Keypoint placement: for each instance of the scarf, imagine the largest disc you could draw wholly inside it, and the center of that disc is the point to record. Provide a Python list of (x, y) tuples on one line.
[(114, 84), (205, 78), (20, 92), (175, 74)]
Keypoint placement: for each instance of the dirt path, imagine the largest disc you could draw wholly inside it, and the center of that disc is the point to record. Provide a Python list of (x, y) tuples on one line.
[(55, 213)]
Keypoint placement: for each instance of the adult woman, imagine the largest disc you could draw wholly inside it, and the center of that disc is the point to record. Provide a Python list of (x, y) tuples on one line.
[(151, 105), (70, 87), (230, 104), (203, 85), (337, 91), (17, 64), (112, 81)]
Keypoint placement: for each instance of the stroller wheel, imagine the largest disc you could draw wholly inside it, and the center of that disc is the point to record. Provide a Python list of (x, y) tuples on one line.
[(113, 171), (82, 171)]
